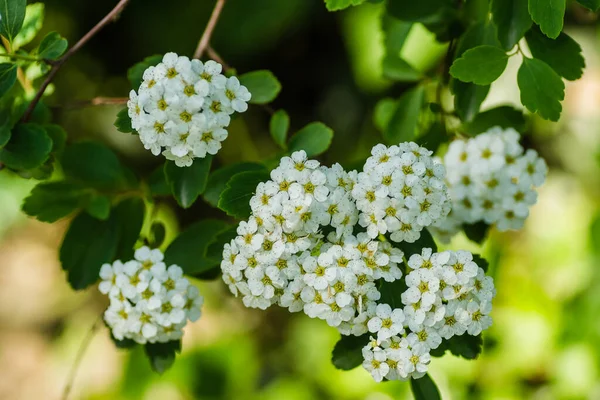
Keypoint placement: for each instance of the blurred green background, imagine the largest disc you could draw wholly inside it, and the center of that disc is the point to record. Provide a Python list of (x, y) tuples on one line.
[(545, 341)]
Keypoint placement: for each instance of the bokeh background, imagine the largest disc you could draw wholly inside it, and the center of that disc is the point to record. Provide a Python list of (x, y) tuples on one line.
[(545, 341)]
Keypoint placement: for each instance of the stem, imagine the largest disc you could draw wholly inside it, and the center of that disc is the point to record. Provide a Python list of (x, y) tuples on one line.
[(215, 56), (20, 57), (210, 27), (111, 16), (85, 344), (96, 101)]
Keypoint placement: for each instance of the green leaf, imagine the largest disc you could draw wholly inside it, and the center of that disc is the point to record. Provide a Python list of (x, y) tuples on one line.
[(476, 232), (58, 136), (8, 77), (549, 15), (402, 126), (563, 54), (88, 244), (189, 249), (397, 69), (162, 355), (123, 122), (5, 127), (409, 10), (158, 233), (263, 86), (503, 116), (481, 262), (187, 183), (347, 353), (34, 19), (95, 165), (424, 388), (315, 138), (480, 65), (99, 207), (592, 5), (384, 110), (542, 90), (130, 215), (435, 136), (49, 202), (391, 292), (215, 249), (335, 5), (466, 346), (217, 181), (512, 20), (12, 14), (235, 199), (157, 182), (28, 148), (424, 241), (52, 46), (279, 127), (135, 74), (396, 32)]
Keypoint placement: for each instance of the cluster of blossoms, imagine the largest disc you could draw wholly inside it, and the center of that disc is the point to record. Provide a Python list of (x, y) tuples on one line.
[(491, 179), (184, 106), (149, 302), (447, 295), (305, 247), (400, 192)]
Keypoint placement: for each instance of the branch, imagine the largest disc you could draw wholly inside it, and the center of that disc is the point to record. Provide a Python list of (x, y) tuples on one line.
[(215, 56), (111, 16), (96, 101), (210, 27)]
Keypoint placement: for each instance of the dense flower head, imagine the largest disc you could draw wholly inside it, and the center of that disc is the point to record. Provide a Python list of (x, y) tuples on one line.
[(492, 179), (149, 302), (183, 107)]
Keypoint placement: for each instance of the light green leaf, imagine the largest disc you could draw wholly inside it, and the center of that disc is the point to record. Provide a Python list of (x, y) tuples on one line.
[(424, 388), (262, 85), (592, 5), (402, 126), (315, 138), (503, 116), (8, 77), (49, 202), (187, 183), (158, 233), (410, 10), (235, 199), (28, 148), (542, 89), (34, 19), (279, 127), (335, 5), (549, 15), (384, 109), (397, 69), (396, 32), (52, 46), (512, 20), (12, 14), (347, 353), (217, 181), (135, 74), (563, 54), (123, 122), (481, 65), (99, 207)]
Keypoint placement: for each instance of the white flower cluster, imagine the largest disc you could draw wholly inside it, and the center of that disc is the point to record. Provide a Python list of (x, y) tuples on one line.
[(400, 192), (184, 107), (447, 295), (148, 301), (491, 179), (303, 248)]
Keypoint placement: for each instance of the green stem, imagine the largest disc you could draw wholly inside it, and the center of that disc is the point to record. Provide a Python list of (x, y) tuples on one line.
[(20, 57)]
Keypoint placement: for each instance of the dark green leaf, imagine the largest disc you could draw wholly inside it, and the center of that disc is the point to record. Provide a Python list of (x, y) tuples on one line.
[(481, 262), (52, 46), (135, 74), (396, 32), (434, 137), (347, 353), (335, 5), (424, 388), (5, 128), (503, 116), (542, 89), (162, 355), (34, 18), (217, 181), (466, 346), (95, 165), (157, 182), (315, 138), (263, 86), (129, 214), (512, 20), (425, 241), (58, 136), (549, 15), (402, 126), (187, 183), (88, 244), (476, 232), (563, 54), (408, 10), (235, 199), (28, 148), (384, 110), (99, 207), (391, 292), (592, 5), (122, 344), (8, 77), (397, 69), (49, 202), (481, 65), (12, 14), (189, 249), (123, 122), (278, 127), (157, 234), (215, 249)]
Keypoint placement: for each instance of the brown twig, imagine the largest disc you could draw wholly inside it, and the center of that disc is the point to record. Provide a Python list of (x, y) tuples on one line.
[(215, 56), (210, 27), (111, 16), (96, 101)]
